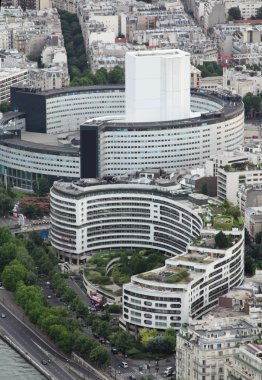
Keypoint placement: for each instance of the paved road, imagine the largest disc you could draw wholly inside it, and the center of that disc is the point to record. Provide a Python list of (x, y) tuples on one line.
[(116, 371), (37, 348), (33, 345)]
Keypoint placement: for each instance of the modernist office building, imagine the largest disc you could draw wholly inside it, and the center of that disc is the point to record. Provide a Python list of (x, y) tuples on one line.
[(27, 156), (49, 144), (90, 215), (65, 109), (165, 125)]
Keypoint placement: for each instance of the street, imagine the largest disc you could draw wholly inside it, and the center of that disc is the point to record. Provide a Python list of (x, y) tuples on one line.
[(38, 349)]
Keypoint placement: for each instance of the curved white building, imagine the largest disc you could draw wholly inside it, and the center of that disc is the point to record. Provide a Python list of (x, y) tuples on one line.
[(112, 146), (115, 147), (159, 299), (27, 156), (91, 215), (65, 109)]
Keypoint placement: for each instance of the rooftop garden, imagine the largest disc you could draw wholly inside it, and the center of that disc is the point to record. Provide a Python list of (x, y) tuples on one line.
[(128, 263), (239, 166), (223, 222), (223, 217), (201, 258), (170, 277)]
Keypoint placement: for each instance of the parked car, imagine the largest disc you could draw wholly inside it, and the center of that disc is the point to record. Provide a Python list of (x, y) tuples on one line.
[(169, 371), (3, 315), (114, 351)]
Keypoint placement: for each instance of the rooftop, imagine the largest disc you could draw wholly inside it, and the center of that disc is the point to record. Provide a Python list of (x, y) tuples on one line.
[(62, 143), (218, 329)]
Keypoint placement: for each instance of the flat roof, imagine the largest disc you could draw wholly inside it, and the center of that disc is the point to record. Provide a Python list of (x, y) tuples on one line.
[(231, 106), (48, 139), (159, 52), (65, 90), (39, 147)]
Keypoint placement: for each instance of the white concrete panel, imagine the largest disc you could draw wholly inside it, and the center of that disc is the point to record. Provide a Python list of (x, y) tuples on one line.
[(157, 85)]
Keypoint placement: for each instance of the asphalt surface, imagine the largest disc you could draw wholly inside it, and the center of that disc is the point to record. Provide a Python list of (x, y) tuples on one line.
[(115, 370), (38, 349)]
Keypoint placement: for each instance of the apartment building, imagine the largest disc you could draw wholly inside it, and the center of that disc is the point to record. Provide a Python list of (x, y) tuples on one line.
[(253, 219), (204, 348), (229, 180), (10, 77), (248, 8), (246, 364)]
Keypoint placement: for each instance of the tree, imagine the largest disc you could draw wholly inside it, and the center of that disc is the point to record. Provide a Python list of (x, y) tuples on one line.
[(258, 237), (234, 13), (12, 274), (204, 188), (62, 337), (100, 328), (250, 266), (8, 252), (221, 240), (252, 104), (146, 335), (247, 237), (122, 341), (36, 58), (6, 201), (259, 13), (5, 106), (170, 335), (210, 69), (116, 75), (41, 186), (160, 345), (100, 355)]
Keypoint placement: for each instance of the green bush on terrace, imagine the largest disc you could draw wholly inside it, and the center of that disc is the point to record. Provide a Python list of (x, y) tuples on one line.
[(172, 279), (177, 277), (223, 222)]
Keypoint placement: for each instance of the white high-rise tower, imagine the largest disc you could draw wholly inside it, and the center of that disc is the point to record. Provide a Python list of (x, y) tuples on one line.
[(157, 85)]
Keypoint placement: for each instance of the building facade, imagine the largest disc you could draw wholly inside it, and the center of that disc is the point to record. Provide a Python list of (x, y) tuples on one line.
[(23, 159), (11, 77), (246, 363), (205, 347), (62, 110), (125, 147), (104, 216), (229, 181), (90, 215)]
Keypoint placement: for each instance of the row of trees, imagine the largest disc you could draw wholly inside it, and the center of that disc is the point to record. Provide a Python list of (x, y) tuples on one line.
[(234, 13), (21, 260), (20, 274), (80, 75), (210, 69), (6, 200), (253, 104)]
